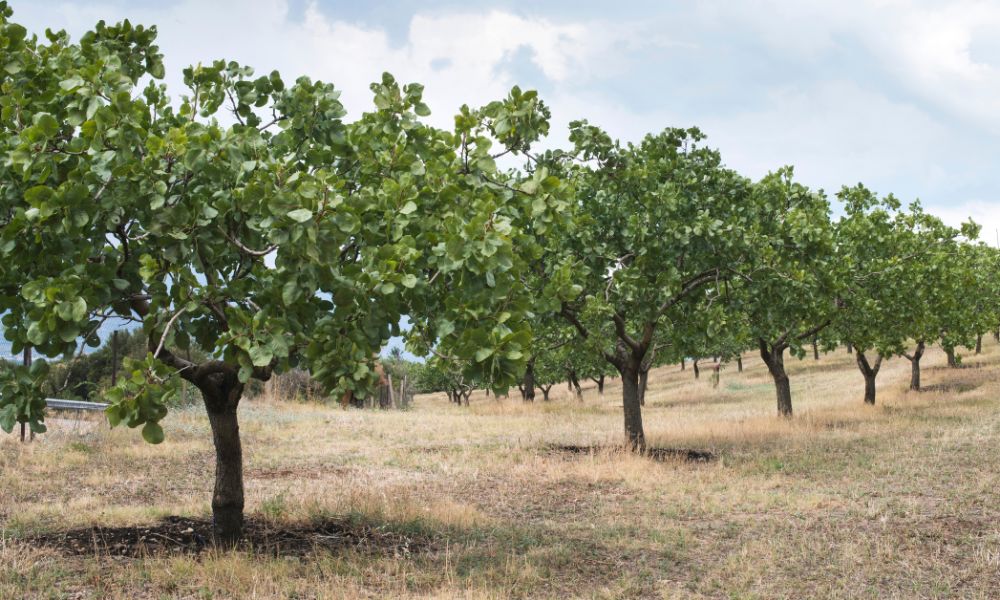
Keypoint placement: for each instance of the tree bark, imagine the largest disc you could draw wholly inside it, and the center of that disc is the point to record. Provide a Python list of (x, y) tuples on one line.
[(774, 358), (574, 382), (850, 348), (643, 384), (221, 394), (915, 365), (697, 372), (815, 349), (634, 435), (683, 364), (600, 386), (529, 381), (979, 344), (545, 391), (739, 362), (952, 359), (870, 372)]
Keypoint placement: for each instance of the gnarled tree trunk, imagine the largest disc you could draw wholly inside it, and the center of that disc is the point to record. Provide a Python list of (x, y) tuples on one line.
[(870, 372), (952, 359), (774, 358), (600, 386), (915, 365), (221, 393), (574, 382), (634, 435)]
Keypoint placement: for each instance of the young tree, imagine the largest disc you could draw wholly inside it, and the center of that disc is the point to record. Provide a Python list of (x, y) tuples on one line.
[(251, 222), (654, 236)]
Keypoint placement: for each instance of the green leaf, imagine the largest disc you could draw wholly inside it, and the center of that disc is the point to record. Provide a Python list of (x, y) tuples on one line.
[(261, 356), (483, 353), (408, 208), (300, 215), (152, 432), (422, 109), (409, 280)]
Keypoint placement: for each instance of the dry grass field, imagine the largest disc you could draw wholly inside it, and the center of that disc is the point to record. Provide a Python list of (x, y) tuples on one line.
[(899, 500)]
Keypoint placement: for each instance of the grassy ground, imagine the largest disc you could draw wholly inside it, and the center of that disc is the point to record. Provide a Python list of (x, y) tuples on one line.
[(844, 500)]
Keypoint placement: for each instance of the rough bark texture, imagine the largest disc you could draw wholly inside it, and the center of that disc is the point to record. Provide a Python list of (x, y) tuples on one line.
[(643, 384), (221, 393), (915, 366), (870, 372), (634, 435), (774, 358), (529, 381)]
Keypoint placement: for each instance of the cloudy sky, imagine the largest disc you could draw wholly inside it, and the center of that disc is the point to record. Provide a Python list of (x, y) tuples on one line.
[(903, 95)]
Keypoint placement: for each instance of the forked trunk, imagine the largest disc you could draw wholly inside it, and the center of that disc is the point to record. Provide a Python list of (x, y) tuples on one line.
[(870, 372), (600, 386), (221, 401), (545, 391), (775, 361), (915, 366)]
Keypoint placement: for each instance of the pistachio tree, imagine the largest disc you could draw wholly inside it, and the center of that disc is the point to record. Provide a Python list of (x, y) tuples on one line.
[(658, 229), (787, 294), (886, 251), (249, 220)]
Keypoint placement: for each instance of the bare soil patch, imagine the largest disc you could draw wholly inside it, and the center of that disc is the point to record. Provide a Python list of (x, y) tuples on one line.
[(183, 535)]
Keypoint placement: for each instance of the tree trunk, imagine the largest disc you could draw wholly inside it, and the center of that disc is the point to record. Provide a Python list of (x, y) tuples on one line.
[(996, 334), (600, 386), (697, 372), (634, 436), (979, 343), (221, 401), (952, 359), (643, 384), (870, 372), (529, 381), (575, 385), (915, 366), (775, 361), (815, 349), (683, 363), (545, 392), (850, 348), (739, 362)]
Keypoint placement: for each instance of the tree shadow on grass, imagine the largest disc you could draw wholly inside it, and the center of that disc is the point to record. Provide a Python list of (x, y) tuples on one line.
[(183, 535)]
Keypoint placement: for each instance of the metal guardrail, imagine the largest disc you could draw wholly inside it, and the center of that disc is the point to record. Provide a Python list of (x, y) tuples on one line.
[(74, 404)]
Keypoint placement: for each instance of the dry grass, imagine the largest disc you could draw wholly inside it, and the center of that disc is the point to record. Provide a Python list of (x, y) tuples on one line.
[(844, 500)]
